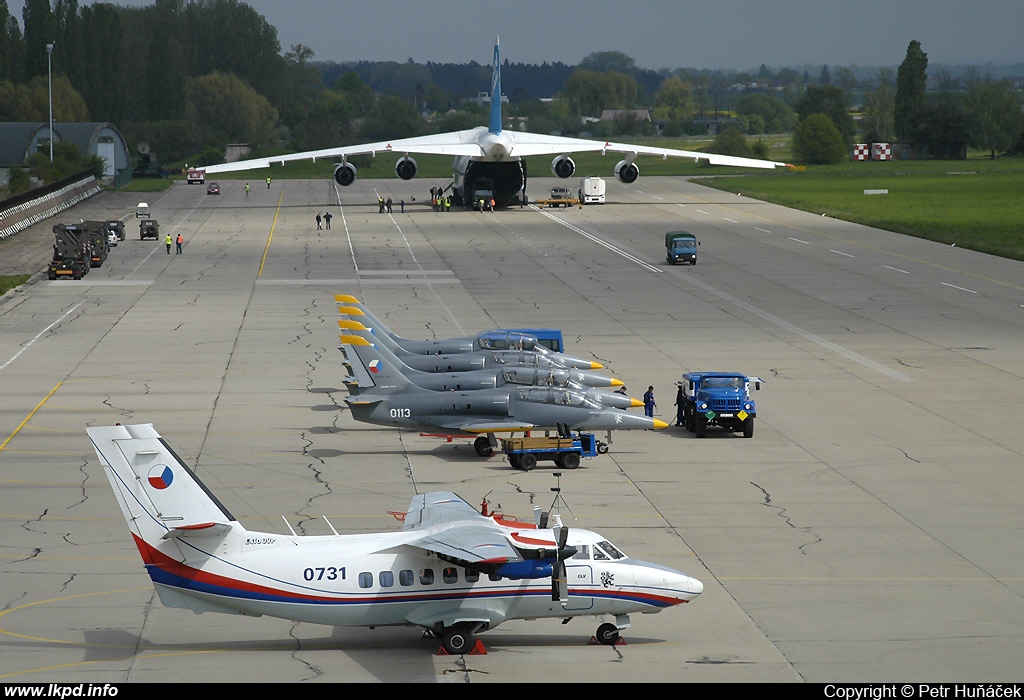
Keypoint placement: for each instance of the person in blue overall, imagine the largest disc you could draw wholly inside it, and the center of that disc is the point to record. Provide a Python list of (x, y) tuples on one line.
[(649, 404)]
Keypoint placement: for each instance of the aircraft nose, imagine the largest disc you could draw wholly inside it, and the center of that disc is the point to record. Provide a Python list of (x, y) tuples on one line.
[(617, 382), (635, 403), (659, 424), (596, 365)]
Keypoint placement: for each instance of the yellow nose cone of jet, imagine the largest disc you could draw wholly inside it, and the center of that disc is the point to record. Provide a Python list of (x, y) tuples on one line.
[(659, 424), (637, 403), (596, 365), (617, 382)]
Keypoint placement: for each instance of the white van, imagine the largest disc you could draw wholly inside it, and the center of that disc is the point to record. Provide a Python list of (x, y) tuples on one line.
[(142, 210)]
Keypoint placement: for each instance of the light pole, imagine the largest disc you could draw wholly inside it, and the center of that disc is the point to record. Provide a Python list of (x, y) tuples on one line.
[(49, 80)]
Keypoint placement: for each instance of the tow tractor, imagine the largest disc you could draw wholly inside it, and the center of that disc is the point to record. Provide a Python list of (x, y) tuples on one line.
[(565, 450)]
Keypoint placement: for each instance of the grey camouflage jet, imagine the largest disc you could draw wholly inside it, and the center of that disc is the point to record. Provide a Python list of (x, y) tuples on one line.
[(584, 381), (381, 395)]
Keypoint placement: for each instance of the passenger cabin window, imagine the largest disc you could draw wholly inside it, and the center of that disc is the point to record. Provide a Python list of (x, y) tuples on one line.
[(472, 576), (426, 577), (386, 578), (450, 575), (406, 577), (365, 579)]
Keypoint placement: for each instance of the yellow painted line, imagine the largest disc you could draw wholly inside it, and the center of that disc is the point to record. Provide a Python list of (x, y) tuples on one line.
[(277, 212), (29, 416)]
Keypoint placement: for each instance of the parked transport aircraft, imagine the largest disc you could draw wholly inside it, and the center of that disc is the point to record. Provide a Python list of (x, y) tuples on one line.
[(488, 160), (451, 570)]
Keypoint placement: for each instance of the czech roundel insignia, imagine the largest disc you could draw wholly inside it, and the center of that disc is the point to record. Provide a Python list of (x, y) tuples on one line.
[(374, 366), (160, 477)]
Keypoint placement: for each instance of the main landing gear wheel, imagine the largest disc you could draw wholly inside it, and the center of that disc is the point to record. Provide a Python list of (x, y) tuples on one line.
[(459, 639), (483, 446), (607, 634)]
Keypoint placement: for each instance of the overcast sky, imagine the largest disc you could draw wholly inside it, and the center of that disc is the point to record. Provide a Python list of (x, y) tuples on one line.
[(734, 34)]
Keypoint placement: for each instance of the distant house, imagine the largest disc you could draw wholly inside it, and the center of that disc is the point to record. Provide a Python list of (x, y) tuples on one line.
[(19, 140), (640, 115)]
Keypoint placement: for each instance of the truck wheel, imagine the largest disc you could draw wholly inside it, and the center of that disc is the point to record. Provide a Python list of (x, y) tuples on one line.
[(570, 460), (689, 421), (513, 461), (528, 462), (701, 427), (748, 427)]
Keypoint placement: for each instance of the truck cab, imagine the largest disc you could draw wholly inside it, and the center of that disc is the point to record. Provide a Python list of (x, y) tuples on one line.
[(195, 175), (681, 247), (719, 399)]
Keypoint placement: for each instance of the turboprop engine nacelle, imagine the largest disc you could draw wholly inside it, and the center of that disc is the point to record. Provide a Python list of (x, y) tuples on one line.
[(405, 168), (563, 166), (345, 174), (627, 172)]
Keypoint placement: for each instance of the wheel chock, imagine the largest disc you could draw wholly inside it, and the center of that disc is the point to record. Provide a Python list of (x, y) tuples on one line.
[(620, 642), (478, 650)]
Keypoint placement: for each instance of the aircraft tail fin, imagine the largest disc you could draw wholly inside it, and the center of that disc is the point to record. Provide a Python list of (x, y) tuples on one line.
[(160, 497), (494, 126), (369, 364)]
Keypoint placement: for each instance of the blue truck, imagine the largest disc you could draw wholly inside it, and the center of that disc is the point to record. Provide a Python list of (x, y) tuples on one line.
[(565, 450), (719, 399), (681, 247)]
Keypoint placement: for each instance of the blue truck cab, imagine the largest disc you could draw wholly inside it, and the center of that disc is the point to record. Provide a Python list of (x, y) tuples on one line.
[(681, 247), (719, 399)]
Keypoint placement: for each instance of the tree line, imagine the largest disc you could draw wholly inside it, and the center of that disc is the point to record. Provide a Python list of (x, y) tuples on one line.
[(190, 77)]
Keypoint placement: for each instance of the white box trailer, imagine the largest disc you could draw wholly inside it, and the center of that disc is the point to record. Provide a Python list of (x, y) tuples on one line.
[(592, 190)]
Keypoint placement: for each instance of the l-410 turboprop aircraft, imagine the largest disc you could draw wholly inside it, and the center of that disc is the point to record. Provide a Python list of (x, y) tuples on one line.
[(488, 161), (451, 570), (394, 400)]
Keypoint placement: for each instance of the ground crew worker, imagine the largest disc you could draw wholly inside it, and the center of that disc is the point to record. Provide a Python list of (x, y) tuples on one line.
[(179, 241), (268, 183), (247, 189), (168, 242), (448, 203)]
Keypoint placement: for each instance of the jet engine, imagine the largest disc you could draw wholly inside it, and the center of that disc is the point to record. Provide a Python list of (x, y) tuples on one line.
[(563, 166), (405, 168), (627, 172), (345, 174)]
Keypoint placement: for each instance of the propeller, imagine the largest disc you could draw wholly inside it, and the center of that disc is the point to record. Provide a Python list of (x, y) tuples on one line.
[(559, 588)]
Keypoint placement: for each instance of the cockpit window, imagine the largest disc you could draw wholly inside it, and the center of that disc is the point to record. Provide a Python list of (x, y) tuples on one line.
[(606, 550), (582, 553)]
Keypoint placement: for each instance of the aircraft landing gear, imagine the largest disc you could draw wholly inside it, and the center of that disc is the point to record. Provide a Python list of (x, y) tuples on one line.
[(607, 634), (460, 638), (483, 446)]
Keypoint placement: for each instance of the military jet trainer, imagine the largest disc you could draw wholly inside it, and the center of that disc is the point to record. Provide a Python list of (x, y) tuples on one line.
[(542, 358), (497, 339), (394, 400), (583, 381)]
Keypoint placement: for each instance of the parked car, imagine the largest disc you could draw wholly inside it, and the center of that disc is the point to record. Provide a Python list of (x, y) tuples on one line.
[(213, 188), (117, 226)]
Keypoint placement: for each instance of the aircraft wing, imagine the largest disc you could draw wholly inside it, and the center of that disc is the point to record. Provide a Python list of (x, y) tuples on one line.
[(491, 426), (466, 143), (527, 144), (452, 527), (453, 143)]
